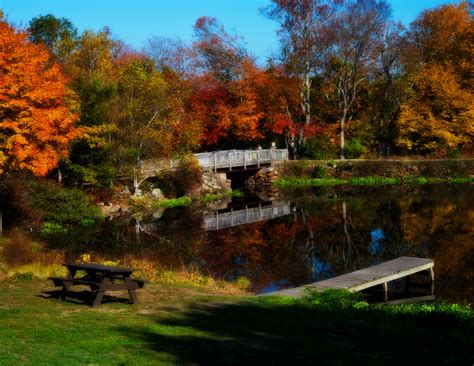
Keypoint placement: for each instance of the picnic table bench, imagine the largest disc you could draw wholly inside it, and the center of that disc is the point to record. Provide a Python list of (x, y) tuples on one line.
[(99, 278)]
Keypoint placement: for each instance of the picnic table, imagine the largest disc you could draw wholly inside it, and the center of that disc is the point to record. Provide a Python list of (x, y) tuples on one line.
[(99, 278)]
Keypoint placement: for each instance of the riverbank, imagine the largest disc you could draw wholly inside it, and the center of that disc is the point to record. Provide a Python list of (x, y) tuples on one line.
[(374, 172), (367, 181), (400, 169), (185, 325)]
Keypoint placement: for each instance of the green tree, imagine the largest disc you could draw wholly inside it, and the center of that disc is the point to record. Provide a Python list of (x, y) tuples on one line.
[(59, 34), (94, 69), (143, 127)]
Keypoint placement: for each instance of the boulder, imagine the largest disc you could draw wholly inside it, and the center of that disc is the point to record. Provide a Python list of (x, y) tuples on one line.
[(156, 193)]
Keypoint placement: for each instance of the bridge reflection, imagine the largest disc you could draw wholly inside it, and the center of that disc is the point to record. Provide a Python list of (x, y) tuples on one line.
[(264, 211)]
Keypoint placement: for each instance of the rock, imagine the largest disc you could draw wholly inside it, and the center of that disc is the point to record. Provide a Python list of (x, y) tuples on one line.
[(158, 213), (109, 209), (215, 183), (156, 193)]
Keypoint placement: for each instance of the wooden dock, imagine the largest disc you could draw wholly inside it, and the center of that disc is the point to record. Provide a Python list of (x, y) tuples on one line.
[(379, 274)]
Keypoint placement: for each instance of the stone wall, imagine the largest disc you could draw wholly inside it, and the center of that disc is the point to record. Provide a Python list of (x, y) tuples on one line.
[(261, 183)]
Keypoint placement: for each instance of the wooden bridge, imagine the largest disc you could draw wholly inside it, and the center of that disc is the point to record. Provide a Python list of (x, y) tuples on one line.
[(240, 159), (219, 160), (380, 274), (245, 216)]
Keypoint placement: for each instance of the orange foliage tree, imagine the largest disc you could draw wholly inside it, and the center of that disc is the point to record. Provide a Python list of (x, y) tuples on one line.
[(439, 114), (36, 124)]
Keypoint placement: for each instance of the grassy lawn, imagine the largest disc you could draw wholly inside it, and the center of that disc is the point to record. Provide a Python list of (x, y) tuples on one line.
[(185, 325)]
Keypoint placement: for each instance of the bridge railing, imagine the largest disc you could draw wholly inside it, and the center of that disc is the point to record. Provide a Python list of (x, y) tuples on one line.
[(229, 159), (245, 216)]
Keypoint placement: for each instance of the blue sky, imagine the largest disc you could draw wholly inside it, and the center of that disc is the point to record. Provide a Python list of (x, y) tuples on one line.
[(134, 21)]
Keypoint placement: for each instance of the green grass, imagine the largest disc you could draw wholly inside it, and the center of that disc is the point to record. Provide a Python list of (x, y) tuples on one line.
[(186, 201), (212, 197), (366, 181), (173, 202), (178, 325)]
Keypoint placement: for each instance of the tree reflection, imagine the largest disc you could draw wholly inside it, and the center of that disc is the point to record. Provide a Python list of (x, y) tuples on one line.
[(323, 236)]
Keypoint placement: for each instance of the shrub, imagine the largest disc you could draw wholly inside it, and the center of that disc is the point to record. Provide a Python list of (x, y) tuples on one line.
[(319, 172), (455, 154), (19, 249), (183, 180), (319, 148), (354, 149), (37, 200), (63, 206)]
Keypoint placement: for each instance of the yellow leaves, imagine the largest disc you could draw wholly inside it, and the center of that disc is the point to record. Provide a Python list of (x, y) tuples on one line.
[(96, 136), (439, 116)]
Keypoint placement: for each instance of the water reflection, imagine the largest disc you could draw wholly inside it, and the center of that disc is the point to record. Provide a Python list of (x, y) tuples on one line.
[(313, 235)]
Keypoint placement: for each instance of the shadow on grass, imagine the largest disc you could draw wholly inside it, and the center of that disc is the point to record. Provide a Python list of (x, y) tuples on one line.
[(269, 332), (83, 297)]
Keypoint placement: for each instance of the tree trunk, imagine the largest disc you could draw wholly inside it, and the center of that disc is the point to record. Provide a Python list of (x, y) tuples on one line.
[(136, 182), (305, 105), (346, 259), (342, 141)]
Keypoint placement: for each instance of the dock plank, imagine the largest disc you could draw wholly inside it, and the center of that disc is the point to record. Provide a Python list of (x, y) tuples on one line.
[(368, 277)]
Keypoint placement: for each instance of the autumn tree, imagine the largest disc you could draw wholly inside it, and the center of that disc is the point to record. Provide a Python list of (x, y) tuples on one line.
[(438, 115), (353, 55), (223, 98), (388, 89), (144, 129), (59, 35), (444, 35), (171, 54), (36, 123), (94, 69), (278, 98), (305, 35), (217, 52)]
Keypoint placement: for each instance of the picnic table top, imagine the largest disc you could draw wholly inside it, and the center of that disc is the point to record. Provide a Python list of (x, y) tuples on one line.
[(97, 268)]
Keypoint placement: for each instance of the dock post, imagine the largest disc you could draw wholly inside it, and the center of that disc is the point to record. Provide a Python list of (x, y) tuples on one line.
[(214, 160), (432, 280), (407, 284), (385, 291)]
